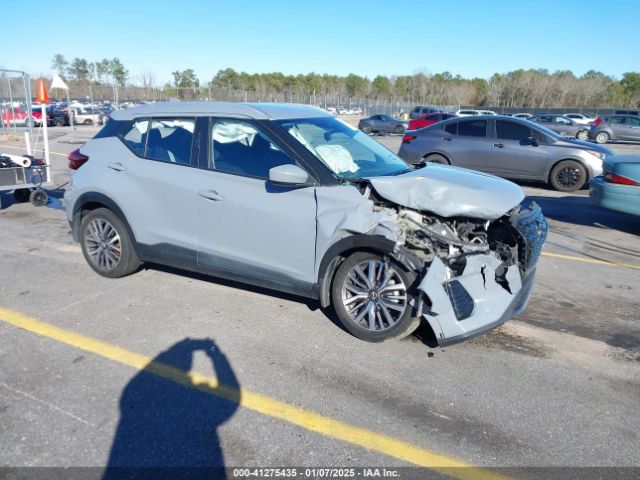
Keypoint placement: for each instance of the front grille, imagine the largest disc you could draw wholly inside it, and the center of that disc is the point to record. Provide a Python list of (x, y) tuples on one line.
[(532, 228), (460, 300)]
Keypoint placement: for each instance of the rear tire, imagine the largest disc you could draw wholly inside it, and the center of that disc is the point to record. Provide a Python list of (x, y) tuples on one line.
[(568, 176), (399, 130), (106, 244), (436, 158), (602, 137), (372, 295), (88, 122), (38, 198)]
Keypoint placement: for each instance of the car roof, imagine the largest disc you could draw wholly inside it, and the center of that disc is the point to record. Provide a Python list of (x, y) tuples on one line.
[(258, 111)]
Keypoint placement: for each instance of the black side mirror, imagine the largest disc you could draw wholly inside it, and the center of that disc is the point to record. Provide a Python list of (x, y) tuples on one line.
[(530, 141)]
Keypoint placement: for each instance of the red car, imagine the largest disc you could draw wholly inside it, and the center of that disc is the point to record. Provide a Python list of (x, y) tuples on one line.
[(428, 119)]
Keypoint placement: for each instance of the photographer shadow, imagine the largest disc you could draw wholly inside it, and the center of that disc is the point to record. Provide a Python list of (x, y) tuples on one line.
[(169, 417)]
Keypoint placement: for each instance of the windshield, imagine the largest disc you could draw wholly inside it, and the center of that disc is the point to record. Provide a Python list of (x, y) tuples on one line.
[(346, 151)]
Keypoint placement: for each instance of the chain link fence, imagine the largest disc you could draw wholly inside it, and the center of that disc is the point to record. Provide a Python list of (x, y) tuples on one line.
[(15, 101)]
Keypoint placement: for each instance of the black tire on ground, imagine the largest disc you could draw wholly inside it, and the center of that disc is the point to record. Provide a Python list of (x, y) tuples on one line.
[(437, 158), (568, 176), (602, 137), (366, 128), (399, 130), (38, 198), (21, 194), (582, 135), (126, 259), (88, 122), (405, 323)]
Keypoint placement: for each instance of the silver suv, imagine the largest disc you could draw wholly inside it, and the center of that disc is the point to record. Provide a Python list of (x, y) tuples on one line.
[(292, 199), (508, 147)]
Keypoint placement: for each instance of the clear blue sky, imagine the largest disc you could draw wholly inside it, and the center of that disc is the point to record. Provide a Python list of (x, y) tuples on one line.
[(466, 37)]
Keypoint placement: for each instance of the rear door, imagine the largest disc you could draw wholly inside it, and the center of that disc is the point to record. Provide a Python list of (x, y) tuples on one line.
[(161, 207), (470, 147), (617, 125), (513, 155), (248, 228), (633, 128)]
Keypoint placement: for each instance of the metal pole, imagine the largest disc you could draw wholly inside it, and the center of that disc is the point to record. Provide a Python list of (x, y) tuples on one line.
[(13, 111), (26, 82)]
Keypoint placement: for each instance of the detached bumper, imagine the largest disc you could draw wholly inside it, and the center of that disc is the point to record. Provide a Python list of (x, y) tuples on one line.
[(469, 305)]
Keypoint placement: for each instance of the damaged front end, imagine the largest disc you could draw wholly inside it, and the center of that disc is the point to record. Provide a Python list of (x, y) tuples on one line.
[(476, 273), (484, 277)]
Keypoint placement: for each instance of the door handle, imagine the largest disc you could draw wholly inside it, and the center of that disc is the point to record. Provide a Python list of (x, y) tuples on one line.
[(211, 195), (117, 166), (499, 145)]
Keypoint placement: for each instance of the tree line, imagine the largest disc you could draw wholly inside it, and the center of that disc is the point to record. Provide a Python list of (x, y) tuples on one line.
[(533, 88)]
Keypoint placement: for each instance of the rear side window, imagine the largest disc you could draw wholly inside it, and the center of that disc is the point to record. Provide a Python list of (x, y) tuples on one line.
[(634, 122), (169, 140), (615, 120), (136, 136), (473, 128), (511, 131), (451, 128)]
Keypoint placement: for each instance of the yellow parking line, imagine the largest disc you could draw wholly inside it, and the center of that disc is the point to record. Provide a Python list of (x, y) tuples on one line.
[(309, 420), (591, 260), (21, 148)]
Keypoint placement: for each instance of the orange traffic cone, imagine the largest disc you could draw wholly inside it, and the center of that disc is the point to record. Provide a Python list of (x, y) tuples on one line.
[(43, 97)]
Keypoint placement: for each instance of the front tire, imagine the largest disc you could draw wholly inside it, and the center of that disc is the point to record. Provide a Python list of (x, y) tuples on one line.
[(372, 295), (366, 128), (399, 130), (568, 176), (582, 135), (602, 137), (107, 245)]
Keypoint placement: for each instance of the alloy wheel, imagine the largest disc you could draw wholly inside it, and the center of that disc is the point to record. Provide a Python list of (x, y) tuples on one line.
[(103, 244), (374, 295), (568, 176)]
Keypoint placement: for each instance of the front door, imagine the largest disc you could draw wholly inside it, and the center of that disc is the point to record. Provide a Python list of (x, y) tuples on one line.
[(513, 155), (247, 228)]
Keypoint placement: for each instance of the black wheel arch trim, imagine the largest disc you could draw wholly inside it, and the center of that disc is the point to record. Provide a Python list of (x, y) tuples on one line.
[(96, 198), (362, 242)]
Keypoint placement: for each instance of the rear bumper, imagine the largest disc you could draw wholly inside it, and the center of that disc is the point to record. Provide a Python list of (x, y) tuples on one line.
[(623, 198)]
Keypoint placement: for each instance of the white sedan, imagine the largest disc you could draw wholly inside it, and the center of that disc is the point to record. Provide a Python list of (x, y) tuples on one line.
[(580, 118)]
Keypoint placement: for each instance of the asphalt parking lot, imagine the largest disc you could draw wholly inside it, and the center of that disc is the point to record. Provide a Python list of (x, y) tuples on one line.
[(91, 369)]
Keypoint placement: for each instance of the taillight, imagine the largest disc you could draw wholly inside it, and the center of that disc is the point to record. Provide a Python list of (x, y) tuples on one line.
[(613, 178), (77, 159), (408, 138), (598, 122)]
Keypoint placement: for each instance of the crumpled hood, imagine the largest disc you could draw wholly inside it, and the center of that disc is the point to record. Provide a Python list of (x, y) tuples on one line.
[(450, 191)]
